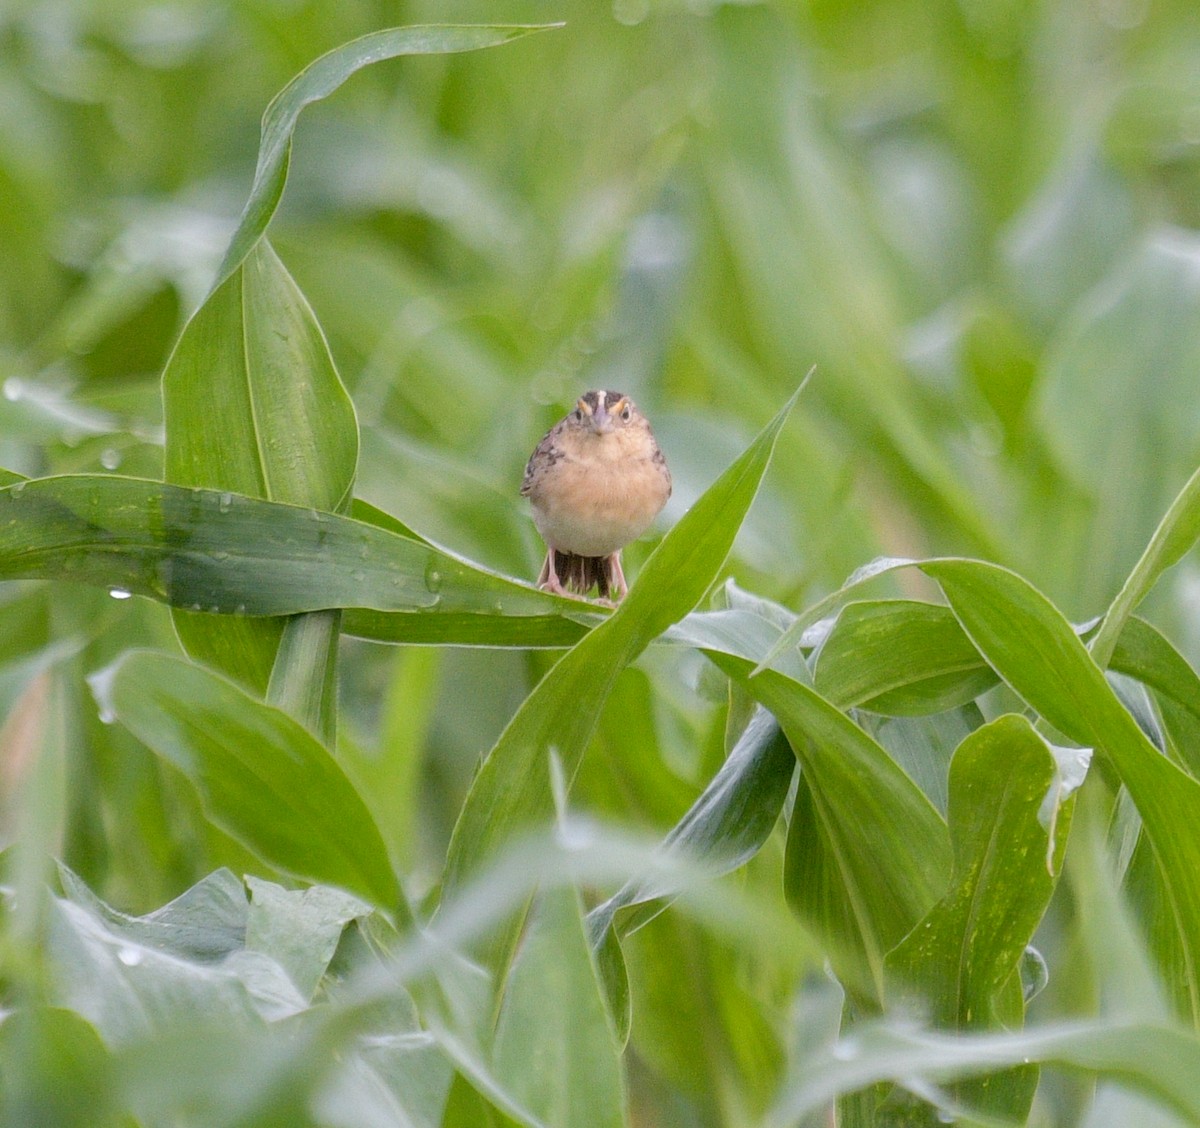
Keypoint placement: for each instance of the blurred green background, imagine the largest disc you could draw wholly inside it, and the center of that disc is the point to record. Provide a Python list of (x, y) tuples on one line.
[(976, 218)]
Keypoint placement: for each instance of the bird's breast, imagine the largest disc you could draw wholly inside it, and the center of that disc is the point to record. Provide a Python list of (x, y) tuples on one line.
[(597, 506)]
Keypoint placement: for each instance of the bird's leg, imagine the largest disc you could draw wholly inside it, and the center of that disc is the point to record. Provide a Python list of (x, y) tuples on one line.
[(549, 580), (617, 582)]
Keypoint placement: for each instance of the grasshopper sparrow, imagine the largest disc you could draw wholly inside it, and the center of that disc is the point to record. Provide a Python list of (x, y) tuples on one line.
[(596, 482)]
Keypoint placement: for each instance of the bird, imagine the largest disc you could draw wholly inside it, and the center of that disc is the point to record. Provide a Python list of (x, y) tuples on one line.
[(596, 481)]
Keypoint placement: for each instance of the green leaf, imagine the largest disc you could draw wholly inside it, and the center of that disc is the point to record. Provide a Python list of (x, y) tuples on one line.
[(900, 657), (722, 830), (299, 928), (955, 964), (1033, 648), (130, 989), (252, 399), (222, 552), (727, 824), (1160, 1061), (260, 775), (254, 405), (320, 79), (1145, 654), (56, 1071), (512, 791), (867, 853), (555, 1048), (1175, 535)]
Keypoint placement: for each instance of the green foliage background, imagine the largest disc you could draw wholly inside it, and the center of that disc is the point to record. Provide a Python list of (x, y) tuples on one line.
[(977, 220)]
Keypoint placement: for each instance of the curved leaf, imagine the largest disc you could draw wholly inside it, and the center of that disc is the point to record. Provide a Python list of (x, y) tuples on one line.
[(253, 404), (900, 657), (1176, 533), (727, 824), (320, 79), (867, 853), (1145, 654), (1033, 648), (260, 775)]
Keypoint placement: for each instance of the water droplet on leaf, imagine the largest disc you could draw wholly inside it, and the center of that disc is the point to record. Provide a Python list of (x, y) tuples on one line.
[(130, 957)]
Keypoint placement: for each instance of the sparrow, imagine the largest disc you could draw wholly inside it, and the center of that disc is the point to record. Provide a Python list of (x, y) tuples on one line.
[(596, 482)]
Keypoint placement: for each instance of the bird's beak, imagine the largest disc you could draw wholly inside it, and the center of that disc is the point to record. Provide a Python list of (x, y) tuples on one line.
[(601, 420)]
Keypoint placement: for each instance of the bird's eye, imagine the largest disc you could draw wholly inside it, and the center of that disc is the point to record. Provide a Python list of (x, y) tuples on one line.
[(577, 415), (625, 413)]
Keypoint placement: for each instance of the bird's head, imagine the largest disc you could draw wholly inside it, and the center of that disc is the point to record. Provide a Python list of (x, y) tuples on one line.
[(604, 412)]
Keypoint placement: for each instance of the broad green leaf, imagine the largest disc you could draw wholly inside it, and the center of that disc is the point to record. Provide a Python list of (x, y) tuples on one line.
[(320, 79), (1175, 535), (131, 990), (555, 1049), (220, 551), (512, 792), (1033, 648), (900, 657), (954, 965), (1161, 1061), (867, 853), (260, 775), (252, 399), (299, 928), (254, 405), (204, 923)]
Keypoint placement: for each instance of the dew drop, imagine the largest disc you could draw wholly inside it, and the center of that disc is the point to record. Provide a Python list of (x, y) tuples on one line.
[(498, 607), (225, 502), (130, 957), (14, 388), (119, 593), (433, 578), (107, 716), (110, 459), (240, 609), (16, 488)]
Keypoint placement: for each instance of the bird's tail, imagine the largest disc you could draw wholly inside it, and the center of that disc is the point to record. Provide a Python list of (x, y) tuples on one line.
[(582, 573)]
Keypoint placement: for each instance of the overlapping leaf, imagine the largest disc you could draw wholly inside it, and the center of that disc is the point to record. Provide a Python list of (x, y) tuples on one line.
[(1034, 649), (867, 853)]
